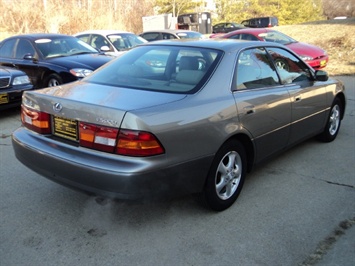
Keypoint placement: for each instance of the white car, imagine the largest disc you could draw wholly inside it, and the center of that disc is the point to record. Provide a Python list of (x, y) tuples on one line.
[(110, 42)]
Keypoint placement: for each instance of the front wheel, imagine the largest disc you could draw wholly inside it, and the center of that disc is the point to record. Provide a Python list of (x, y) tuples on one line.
[(53, 80), (226, 176), (333, 124)]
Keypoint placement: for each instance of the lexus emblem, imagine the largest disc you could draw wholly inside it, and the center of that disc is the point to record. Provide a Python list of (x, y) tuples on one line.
[(57, 107)]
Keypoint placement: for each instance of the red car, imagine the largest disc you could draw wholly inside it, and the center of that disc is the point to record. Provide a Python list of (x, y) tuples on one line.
[(313, 55)]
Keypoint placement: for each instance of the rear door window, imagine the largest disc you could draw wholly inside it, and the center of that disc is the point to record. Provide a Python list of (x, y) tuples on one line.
[(23, 48), (248, 37), (255, 70), (7, 48)]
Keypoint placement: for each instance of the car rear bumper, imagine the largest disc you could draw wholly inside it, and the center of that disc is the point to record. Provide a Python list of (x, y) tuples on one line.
[(107, 174), (12, 97)]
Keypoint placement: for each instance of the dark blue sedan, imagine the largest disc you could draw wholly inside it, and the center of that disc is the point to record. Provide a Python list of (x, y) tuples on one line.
[(13, 83), (50, 59)]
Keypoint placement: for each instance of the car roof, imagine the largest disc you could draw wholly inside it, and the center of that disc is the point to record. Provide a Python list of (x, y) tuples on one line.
[(225, 45), (169, 31), (249, 30), (227, 22), (35, 36), (103, 32)]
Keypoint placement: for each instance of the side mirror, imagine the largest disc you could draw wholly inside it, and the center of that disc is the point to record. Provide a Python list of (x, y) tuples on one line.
[(104, 48), (28, 56), (321, 75)]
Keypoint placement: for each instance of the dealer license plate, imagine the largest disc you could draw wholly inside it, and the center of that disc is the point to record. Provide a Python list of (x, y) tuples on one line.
[(65, 128), (4, 98)]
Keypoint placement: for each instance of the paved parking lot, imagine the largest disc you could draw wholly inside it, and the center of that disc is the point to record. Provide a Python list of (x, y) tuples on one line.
[(297, 209)]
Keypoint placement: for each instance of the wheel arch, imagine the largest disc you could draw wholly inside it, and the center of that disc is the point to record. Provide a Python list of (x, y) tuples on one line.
[(249, 148), (45, 75), (66, 77), (342, 99)]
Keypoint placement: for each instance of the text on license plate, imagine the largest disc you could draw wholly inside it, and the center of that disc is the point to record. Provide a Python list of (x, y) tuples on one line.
[(65, 128)]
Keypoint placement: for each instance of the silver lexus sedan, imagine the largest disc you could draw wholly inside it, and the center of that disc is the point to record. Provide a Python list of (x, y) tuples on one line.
[(176, 117)]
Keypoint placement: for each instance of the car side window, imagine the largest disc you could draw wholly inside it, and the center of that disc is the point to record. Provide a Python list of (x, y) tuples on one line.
[(236, 37), (99, 41), (152, 36), (255, 70), (290, 68), (23, 48), (85, 38), (7, 48), (167, 36), (249, 37)]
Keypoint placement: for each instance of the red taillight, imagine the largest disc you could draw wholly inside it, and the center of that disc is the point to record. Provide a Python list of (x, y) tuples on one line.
[(97, 137), (36, 120), (124, 142), (138, 143)]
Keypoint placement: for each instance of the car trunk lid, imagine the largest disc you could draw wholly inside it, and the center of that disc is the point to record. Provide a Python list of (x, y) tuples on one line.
[(94, 103)]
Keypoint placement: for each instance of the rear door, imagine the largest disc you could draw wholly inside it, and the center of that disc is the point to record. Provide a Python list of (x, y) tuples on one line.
[(263, 104), (15, 57), (29, 66)]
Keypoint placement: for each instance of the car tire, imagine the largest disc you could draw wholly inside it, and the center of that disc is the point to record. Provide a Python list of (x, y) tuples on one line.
[(226, 177), (53, 80), (333, 123), (282, 64)]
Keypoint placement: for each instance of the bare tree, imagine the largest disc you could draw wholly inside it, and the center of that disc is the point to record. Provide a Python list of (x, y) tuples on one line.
[(336, 8)]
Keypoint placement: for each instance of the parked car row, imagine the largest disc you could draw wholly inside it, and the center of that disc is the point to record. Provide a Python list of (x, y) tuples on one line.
[(262, 22), (54, 59), (157, 35)]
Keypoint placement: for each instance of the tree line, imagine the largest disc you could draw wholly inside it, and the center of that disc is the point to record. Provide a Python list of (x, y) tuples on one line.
[(72, 16)]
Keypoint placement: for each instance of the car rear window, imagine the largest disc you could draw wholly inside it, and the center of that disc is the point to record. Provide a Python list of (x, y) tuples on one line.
[(173, 69)]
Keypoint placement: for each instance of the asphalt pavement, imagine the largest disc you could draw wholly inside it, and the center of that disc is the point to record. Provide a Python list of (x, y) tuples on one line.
[(337, 249)]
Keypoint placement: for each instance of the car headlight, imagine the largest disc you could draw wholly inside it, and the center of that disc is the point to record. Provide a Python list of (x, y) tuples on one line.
[(21, 80), (306, 57), (80, 72)]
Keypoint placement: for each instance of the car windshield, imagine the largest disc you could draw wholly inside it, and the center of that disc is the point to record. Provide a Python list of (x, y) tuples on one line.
[(278, 37), (63, 46), (173, 69), (125, 41), (189, 35)]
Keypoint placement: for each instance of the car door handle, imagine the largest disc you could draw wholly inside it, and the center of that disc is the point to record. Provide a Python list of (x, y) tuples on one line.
[(298, 98), (249, 109)]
